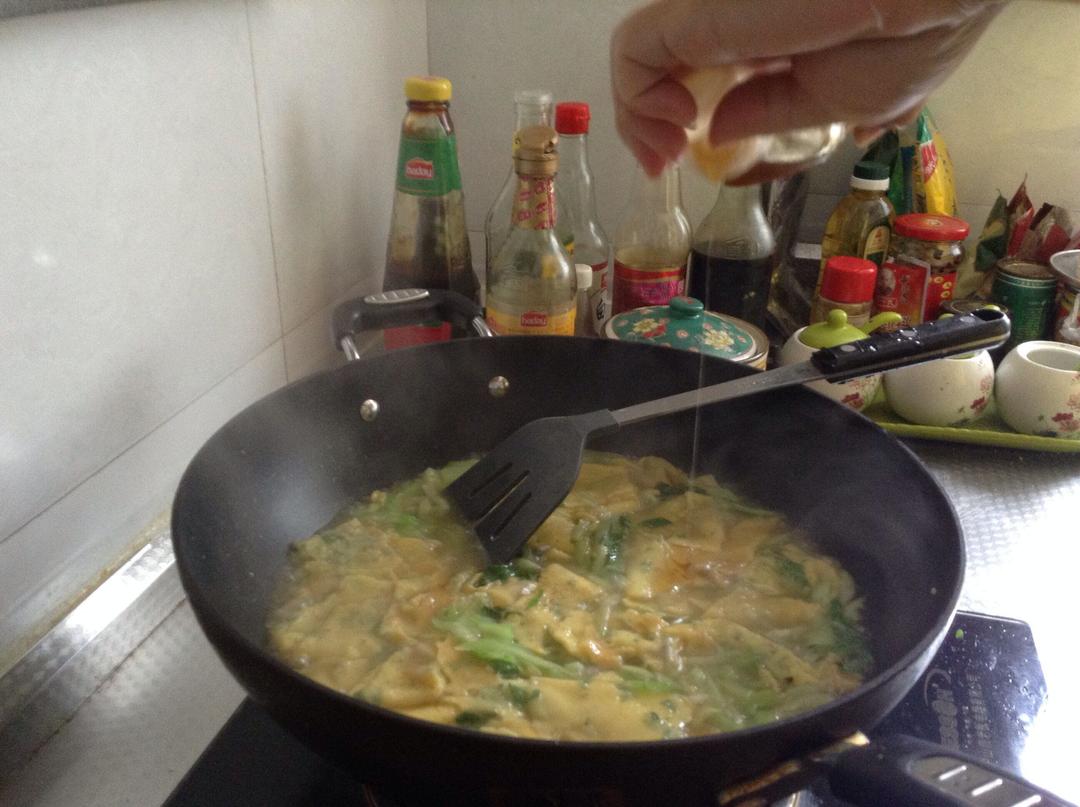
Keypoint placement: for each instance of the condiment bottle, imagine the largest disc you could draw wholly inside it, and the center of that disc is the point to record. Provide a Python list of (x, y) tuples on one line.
[(428, 246), (848, 284), (531, 108), (652, 243), (861, 224), (731, 260), (532, 285), (577, 208)]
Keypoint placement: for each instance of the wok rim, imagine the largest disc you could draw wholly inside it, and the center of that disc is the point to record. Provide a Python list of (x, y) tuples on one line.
[(930, 641)]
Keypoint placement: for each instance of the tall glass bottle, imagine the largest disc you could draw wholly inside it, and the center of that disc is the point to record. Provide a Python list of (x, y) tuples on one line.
[(532, 285), (652, 243), (731, 261), (861, 224), (578, 209), (531, 108), (428, 246)]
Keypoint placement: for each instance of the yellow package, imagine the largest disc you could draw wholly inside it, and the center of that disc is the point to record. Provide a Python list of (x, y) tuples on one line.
[(935, 189)]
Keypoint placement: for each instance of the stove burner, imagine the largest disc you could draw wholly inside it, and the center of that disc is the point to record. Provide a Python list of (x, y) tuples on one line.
[(980, 695)]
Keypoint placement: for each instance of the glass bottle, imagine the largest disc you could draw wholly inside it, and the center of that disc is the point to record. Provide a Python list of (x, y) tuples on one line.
[(652, 243), (577, 209), (428, 246), (531, 108), (731, 261), (861, 224), (532, 284)]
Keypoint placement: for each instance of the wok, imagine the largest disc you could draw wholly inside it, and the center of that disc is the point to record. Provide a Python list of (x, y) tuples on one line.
[(283, 467)]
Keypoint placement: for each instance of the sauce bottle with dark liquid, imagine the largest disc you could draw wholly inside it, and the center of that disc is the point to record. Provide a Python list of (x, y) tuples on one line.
[(731, 256)]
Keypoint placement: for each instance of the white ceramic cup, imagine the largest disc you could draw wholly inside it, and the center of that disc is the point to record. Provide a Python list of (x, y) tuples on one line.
[(858, 393), (1038, 389), (946, 392)]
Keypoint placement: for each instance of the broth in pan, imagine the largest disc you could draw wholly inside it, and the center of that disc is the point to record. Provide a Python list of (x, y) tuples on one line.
[(647, 606)]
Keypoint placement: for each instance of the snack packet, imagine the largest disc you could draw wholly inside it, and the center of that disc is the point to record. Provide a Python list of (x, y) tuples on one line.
[(1021, 213), (1051, 225), (932, 177)]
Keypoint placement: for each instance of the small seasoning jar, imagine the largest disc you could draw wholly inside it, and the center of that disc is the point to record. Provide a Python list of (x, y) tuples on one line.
[(1066, 265), (919, 275), (847, 283)]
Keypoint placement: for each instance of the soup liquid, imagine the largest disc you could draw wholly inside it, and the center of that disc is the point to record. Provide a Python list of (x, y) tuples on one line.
[(739, 288)]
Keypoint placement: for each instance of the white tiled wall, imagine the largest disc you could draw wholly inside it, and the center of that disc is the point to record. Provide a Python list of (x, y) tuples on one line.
[(186, 188), (1009, 110)]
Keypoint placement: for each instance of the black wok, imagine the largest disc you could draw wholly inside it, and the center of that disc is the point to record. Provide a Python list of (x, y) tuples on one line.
[(280, 469)]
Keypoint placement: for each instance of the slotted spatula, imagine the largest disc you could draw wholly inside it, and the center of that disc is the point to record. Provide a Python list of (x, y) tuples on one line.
[(508, 494)]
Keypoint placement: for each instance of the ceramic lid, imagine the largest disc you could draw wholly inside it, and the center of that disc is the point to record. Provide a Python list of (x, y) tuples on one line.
[(836, 330), (1066, 265), (684, 323)]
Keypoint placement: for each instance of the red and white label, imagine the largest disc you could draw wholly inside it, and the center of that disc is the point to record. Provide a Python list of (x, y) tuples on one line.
[(534, 319), (928, 159), (417, 168)]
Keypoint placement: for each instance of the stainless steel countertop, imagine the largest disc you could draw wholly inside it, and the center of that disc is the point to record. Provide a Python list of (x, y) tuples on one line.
[(132, 741)]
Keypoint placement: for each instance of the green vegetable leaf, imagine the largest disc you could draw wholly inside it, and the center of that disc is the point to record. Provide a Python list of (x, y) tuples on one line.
[(598, 547), (474, 718), (652, 523), (640, 680), (520, 696), (849, 642)]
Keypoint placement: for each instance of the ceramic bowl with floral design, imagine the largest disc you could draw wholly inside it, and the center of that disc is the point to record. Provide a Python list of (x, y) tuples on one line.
[(953, 391), (1038, 389), (857, 393)]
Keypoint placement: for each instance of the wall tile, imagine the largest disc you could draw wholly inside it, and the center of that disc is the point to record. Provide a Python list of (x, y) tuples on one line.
[(56, 554), (135, 264), (329, 76)]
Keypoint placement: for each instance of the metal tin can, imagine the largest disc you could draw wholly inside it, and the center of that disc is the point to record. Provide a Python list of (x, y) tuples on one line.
[(1027, 289)]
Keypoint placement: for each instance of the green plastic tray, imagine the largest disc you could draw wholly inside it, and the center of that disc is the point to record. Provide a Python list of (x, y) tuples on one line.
[(989, 430)]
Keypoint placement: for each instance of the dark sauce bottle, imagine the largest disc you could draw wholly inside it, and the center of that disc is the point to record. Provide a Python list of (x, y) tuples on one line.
[(731, 258)]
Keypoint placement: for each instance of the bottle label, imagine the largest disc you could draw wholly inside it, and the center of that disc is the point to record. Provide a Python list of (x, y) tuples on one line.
[(877, 244), (428, 167), (901, 287), (534, 204), (529, 323), (598, 293), (634, 288)]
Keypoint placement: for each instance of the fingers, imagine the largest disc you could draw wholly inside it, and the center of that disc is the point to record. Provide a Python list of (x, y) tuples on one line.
[(654, 142)]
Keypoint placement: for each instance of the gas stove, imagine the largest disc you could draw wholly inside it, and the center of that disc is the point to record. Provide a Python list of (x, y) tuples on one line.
[(981, 694)]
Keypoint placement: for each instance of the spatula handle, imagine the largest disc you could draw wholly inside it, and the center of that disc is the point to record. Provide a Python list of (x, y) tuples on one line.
[(931, 340), (985, 328)]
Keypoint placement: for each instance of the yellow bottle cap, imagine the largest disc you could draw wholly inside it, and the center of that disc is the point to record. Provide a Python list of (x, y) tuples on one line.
[(427, 88)]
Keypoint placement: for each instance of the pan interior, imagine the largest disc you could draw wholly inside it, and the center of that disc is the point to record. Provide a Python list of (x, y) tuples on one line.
[(281, 469)]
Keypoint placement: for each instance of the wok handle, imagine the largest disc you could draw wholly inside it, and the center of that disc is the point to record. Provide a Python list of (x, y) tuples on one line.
[(902, 769), (392, 309), (978, 330)]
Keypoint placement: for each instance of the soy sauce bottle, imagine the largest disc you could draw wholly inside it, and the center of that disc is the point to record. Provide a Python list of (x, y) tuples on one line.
[(731, 256), (428, 246)]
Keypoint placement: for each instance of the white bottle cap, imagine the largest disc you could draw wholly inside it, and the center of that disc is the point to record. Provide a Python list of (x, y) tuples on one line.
[(584, 276)]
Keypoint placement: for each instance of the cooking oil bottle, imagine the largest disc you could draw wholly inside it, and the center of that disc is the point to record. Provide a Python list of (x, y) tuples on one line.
[(861, 225), (532, 284)]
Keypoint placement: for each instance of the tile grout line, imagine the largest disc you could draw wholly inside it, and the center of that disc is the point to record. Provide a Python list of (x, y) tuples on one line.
[(266, 188)]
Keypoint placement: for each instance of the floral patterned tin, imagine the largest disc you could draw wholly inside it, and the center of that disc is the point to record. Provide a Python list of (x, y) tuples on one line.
[(685, 324)]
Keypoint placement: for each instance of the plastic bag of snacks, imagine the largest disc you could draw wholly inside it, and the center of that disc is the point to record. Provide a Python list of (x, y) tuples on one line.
[(935, 188), (920, 169)]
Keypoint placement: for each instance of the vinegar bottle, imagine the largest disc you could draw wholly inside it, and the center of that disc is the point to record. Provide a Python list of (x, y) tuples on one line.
[(428, 246), (577, 209), (531, 108), (731, 261), (532, 284), (652, 243)]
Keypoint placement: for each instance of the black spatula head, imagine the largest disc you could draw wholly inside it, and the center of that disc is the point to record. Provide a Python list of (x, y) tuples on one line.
[(510, 492)]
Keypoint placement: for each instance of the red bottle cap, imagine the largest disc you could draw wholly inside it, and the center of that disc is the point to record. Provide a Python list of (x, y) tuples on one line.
[(931, 227), (848, 279), (572, 117)]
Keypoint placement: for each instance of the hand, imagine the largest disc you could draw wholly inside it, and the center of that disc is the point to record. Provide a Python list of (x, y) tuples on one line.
[(868, 63)]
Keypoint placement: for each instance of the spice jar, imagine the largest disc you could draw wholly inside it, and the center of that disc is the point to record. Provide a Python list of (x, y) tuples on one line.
[(847, 283), (919, 275)]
